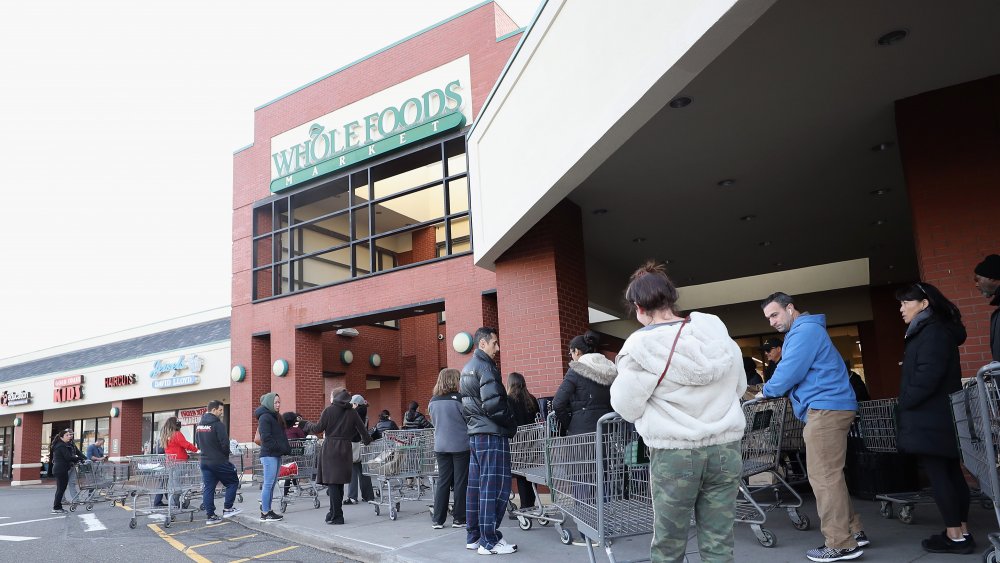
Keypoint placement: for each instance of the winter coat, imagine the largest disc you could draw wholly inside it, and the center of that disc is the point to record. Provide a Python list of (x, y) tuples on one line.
[(382, 426), (294, 433), (63, 457), (212, 439), (273, 442), (362, 411), (524, 413), (995, 327), (178, 446), (415, 420), (697, 403), (484, 399), (585, 393), (338, 423), (450, 431), (931, 372)]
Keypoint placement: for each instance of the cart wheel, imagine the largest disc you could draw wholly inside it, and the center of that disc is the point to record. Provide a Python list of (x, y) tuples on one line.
[(524, 523), (316, 502), (131, 523), (284, 506), (886, 509), (90, 507), (72, 508), (186, 504), (802, 523), (239, 497), (565, 536), (377, 510), (397, 507), (545, 522), (166, 524), (190, 516), (906, 514), (990, 556), (987, 504), (392, 514), (201, 507), (768, 540)]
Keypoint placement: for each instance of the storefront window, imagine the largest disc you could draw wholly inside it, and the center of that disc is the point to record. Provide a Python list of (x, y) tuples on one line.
[(410, 209), (6, 451)]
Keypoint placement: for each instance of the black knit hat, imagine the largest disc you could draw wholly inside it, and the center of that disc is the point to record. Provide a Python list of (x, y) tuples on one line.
[(989, 267)]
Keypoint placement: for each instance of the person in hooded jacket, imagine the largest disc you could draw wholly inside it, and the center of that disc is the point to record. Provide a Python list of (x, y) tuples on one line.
[(212, 439), (413, 419), (273, 445), (385, 422), (932, 372), (585, 393), (63, 459), (339, 423), (680, 380)]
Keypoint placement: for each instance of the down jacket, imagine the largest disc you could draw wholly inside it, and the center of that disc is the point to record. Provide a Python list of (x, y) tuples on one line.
[(339, 423), (585, 393), (484, 399), (273, 441)]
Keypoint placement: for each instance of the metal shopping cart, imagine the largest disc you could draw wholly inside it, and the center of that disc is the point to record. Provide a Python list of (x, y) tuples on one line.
[(592, 482), (100, 482), (160, 474), (977, 424), (761, 448), (399, 461), (301, 466), (528, 450), (793, 449)]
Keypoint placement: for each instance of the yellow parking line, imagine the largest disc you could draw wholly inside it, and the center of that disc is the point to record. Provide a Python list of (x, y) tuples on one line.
[(276, 551), (242, 537), (178, 545), (204, 544), (189, 530)]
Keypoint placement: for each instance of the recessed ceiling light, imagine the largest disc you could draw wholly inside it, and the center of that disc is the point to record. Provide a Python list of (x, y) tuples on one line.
[(418, 310), (748, 218), (893, 37), (666, 262), (764, 243), (880, 192), (680, 102), (600, 211), (639, 239), (778, 264), (878, 222), (727, 182), (882, 146), (891, 267)]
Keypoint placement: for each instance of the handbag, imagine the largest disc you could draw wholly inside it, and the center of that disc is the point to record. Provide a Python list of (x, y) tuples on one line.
[(636, 452), (256, 437), (356, 452)]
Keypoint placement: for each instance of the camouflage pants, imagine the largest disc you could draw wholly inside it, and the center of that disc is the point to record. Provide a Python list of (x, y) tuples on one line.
[(703, 480)]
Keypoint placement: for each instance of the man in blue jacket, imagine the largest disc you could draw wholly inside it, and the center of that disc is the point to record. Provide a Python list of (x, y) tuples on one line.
[(815, 378)]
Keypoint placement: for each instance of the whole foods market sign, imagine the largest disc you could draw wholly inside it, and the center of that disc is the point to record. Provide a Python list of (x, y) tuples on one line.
[(423, 106)]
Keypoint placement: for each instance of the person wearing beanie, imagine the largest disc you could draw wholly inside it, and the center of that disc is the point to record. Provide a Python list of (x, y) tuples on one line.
[(273, 445), (360, 405), (987, 279)]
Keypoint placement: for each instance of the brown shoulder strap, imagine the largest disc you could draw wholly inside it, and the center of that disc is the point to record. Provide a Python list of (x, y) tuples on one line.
[(672, 348)]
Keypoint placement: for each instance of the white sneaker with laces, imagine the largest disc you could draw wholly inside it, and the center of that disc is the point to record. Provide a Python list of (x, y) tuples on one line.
[(500, 548), (473, 545)]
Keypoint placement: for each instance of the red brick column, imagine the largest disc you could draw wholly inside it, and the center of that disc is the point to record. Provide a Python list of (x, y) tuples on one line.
[(126, 430), (949, 143), (542, 298), (419, 360), (244, 396), (305, 394), (28, 449)]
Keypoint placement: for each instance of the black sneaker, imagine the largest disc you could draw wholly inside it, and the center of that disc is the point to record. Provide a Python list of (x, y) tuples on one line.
[(457, 524), (227, 512), (271, 517), (862, 539), (329, 516), (348, 501), (968, 537), (336, 521), (59, 511), (824, 554), (213, 519), (941, 543)]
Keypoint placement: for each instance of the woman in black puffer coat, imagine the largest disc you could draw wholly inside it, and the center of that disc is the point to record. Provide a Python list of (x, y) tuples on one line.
[(63, 458), (585, 393), (932, 372)]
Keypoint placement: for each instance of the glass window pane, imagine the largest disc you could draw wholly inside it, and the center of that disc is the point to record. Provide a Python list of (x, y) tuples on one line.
[(362, 259), (263, 283), (359, 185), (262, 252), (321, 200), (89, 433), (410, 209), (410, 171), (286, 279), (159, 418), (103, 430), (262, 219), (458, 195), (322, 234), (281, 249), (326, 268), (281, 213), (461, 237), (361, 229), (408, 247), (454, 151), (147, 433)]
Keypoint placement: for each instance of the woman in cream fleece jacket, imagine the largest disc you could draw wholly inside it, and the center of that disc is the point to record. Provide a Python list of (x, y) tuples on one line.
[(690, 419)]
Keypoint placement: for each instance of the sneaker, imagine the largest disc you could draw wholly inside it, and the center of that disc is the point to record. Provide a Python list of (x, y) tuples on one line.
[(329, 516), (941, 543), (437, 526), (500, 548), (473, 545), (824, 554), (58, 511), (348, 501), (336, 521), (968, 537), (271, 517), (227, 512), (862, 539), (457, 524), (213, 519)]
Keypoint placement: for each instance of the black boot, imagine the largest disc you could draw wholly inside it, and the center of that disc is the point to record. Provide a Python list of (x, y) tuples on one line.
[(337, 520), (329, 517)]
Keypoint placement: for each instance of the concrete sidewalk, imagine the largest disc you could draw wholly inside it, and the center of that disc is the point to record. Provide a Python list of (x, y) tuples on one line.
[(370, 538)]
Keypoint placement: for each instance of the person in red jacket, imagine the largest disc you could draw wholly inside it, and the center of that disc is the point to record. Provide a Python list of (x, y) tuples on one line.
[(174, 444)]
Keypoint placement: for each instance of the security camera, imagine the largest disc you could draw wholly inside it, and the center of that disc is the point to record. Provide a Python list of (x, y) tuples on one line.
[(440, 337)]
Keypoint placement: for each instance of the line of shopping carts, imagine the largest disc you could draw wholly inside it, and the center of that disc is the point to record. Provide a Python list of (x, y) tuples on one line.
[(297, 473), (403, 464)]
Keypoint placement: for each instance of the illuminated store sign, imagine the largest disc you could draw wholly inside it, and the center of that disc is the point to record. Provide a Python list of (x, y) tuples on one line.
[(192, 364), (14, 398), (68, 389)]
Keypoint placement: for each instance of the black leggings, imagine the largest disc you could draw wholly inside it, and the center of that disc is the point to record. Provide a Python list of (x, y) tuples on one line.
[(951, 492), (62, 481), (336, 500)]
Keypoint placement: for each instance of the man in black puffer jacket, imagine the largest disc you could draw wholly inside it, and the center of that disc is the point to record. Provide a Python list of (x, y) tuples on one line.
[(491, 425)]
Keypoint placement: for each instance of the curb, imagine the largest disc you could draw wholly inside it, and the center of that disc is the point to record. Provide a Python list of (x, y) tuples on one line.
[(312, 538)]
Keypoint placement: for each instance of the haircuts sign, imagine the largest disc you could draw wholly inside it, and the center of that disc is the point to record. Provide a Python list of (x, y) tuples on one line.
[(421, 107)]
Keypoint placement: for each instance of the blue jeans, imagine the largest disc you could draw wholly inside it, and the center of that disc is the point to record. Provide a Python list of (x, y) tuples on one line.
[(270, 477), (213, 474)]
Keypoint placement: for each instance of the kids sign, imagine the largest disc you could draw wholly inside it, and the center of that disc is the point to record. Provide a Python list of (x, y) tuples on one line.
[(421, 107), (68, 389)]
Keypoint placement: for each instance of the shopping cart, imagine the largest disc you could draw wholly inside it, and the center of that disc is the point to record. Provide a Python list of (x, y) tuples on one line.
[(527, 458), (793, 449), (301, 466), (761, 449), (100, 482), (399, 461), (593, 481), (160, 474), (977, 424)]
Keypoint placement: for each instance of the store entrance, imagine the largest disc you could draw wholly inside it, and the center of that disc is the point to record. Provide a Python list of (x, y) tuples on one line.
[(6, 452), (49, 431)]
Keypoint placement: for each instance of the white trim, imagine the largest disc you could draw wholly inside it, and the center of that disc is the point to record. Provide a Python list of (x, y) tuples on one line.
[(19, 483), (24, 465), (118, 459)]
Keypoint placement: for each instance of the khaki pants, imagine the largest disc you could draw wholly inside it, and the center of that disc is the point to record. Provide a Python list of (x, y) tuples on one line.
[(825, 435)]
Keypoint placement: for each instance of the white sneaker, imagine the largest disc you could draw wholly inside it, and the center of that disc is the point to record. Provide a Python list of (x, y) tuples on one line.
[(227, 512), (473, 545), (501, 548)]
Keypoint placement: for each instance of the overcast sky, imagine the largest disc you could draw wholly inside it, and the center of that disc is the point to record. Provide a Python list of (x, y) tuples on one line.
[(118, 122)]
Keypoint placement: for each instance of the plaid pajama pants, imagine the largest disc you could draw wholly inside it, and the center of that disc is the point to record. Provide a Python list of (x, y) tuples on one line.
[(489, 488)]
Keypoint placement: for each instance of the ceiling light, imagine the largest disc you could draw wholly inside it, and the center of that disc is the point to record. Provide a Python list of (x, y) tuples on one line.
[(880, 192), (748, 218), (778, 264), (727, 182), (680, 102), (764, 243), (639, 239), (882, 146), (878, 222), (348, 332), (891, 267), (600, 211), (666, 262), (893, 37), (418, 310)]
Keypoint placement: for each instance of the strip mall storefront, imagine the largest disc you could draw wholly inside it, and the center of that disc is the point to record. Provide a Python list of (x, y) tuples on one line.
[(121, 390)]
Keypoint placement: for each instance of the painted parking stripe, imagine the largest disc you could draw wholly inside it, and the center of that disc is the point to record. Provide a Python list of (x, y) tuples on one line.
[(92, 523), (16, 538), (30, 521)]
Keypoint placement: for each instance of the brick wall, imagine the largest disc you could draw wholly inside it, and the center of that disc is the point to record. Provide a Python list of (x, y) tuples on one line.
[(126, 428), (949, 142), (28, 448)]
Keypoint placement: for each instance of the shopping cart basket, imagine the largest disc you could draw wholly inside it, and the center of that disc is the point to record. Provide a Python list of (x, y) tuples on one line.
[(761, 449), (100, 482), (793, 449), (160, 474), (527, 458), (977, 424), (399, 461), (302, 463)]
